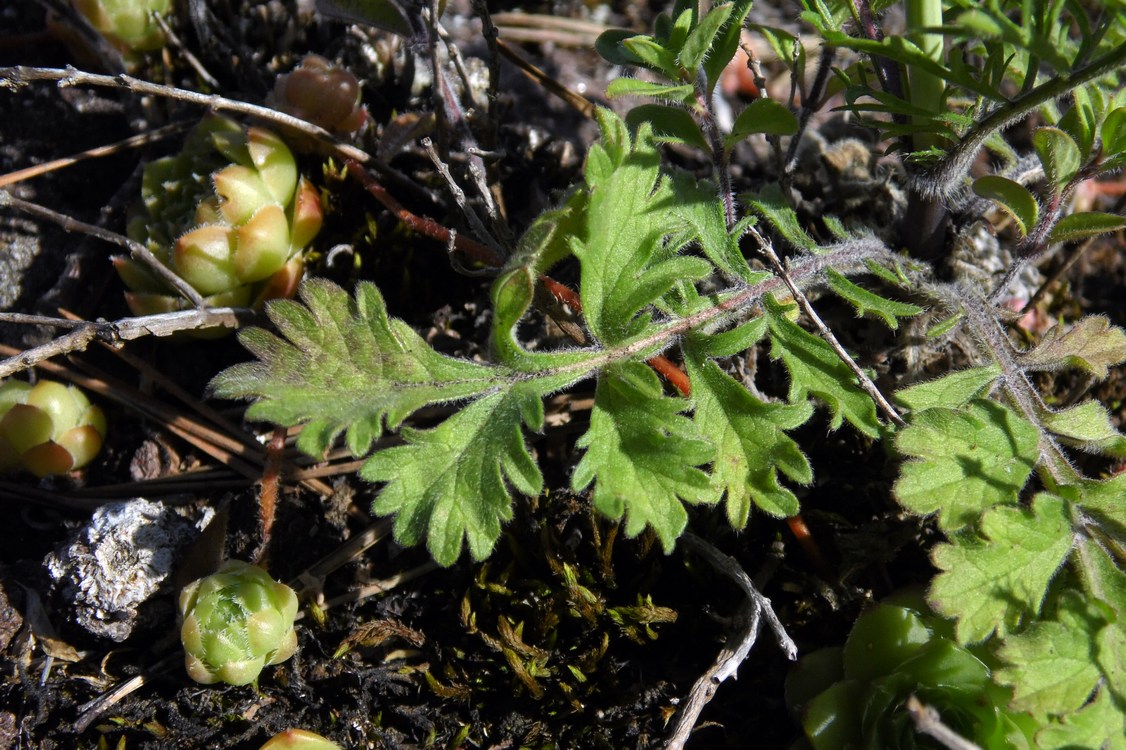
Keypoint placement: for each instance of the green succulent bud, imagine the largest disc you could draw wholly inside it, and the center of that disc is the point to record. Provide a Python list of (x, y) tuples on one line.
[(48, 428), (229, 214), (321, 93), (298, 739), (854, 697), (236, 622), (127, 24)]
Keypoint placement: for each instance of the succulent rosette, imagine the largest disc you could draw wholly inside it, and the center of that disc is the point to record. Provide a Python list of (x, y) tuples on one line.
[(127, 24), (298, 739), (229, 214), (853, 698), (48, 428), (237, 621), (321, 93)]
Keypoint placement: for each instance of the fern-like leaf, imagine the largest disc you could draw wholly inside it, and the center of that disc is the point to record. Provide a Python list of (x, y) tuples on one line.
[(642, 454), (341, 364), (451, 483)]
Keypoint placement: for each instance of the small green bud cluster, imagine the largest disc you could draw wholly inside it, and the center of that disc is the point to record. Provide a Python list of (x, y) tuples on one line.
[(127, 24), (229, 214), (321, 93), (854, 697), (48, 428), (298, 739), (236, 622)]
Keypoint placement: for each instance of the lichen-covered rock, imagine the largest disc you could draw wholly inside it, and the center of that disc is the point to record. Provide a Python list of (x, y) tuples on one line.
[(236, 622), (116, 563)]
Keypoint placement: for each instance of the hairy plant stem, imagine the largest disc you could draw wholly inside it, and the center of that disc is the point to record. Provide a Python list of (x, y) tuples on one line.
[(987, 331), (944, 179), (767, 249)]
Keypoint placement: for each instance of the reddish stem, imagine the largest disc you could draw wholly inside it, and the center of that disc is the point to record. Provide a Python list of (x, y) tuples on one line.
[(268, 496), (810, 546)]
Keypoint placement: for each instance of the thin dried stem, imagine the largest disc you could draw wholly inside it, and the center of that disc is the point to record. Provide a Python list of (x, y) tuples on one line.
[(21, 75), (927, 721), (767, 249), (141, 139)]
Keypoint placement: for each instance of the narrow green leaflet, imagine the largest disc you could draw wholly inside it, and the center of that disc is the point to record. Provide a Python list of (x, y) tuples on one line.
[(752, 446), (965, 461), (1058, 153), (816, 370), (1013, 198), (864, 301), (1098, 724), (642, 454), (343, 364), (451, 483), (1091, 344), (953, 390), (994, 582), (623, 270), (1102, 578), (772, 206), (1080, 226)]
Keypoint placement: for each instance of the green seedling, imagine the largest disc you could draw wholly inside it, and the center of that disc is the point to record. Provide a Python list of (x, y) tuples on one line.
[(236, 622), (229, 214), (48, 428)]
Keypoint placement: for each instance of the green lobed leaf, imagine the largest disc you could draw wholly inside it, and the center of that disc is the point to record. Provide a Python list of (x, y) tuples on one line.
[(452, 483), (342, 364), (951, 391), (1013, 198), (1102, 578), (694, 204), (1051, 664), (1096, 725), (816, 370), (1091, 344), (765, 116), (1085, 224), (751, 444), (623, 262), (869, 302), (642, 454), (1105, 498), (1086, 426), (1059, 153), (994, 582), (964, 461)]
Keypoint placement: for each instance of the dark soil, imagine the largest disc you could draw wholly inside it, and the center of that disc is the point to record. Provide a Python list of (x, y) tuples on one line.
[(570, 635)]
